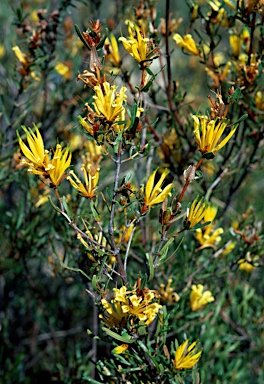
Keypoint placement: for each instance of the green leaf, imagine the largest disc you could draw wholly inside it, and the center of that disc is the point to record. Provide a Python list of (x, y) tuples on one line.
[(117, 336), (77, 29), (54, 206), (151, 266), (198, 226), (94, 211), (198, 174), (242, 118), (66, 207), (208, 155), (164, 258), (235, 96)]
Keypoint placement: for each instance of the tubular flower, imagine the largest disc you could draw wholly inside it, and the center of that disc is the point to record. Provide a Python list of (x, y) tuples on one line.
[(199, 298), (142, 307), (114, 316), (138, 46), (129, 305), (167, 294), (235, 44), (63, 70), (112, 52), (58, 165), (155, 194), (248, 264), (195, 213), (37, 157), (186, 356), (20, 55), (259, 100), (207, 236), (187, 43), (91, 176), (208, 133), (109, 103)]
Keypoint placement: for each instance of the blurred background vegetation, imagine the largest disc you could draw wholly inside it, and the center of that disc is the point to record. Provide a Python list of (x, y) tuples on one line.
[(45, 310)]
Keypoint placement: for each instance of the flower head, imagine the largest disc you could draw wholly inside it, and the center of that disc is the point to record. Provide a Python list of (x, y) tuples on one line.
[(155, 194), (138, 46), (20, 55), (60, 162), (199, 298), (37, 158), (187, 43), (195, 213), (186, 356), (208, 236), (208, 133), (88, 187), (130, 305), (249, 263), (112, 52), (108, 103), (167, 293), (63, 70)]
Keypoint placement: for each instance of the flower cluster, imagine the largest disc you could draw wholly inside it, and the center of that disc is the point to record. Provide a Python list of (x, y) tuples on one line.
[(130, 305), (38, 160)]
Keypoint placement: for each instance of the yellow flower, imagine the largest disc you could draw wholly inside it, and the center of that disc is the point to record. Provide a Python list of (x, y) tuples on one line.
[(228, 248), (114, 316), (208, 133), (199, 298), (186, 356), (94, 151), (120, 349), (128, 304), (112, 54), (91, 176), (221, 74), (235, 44), (167, 294), (248, 264), (58, 165), (37, 156), (63, 70), (20, 55), (2, 51), (138, 46), (155, 194), (187, 43), (259, 100), (109, 103), (207, 236), (196, 213), (142, 307)]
